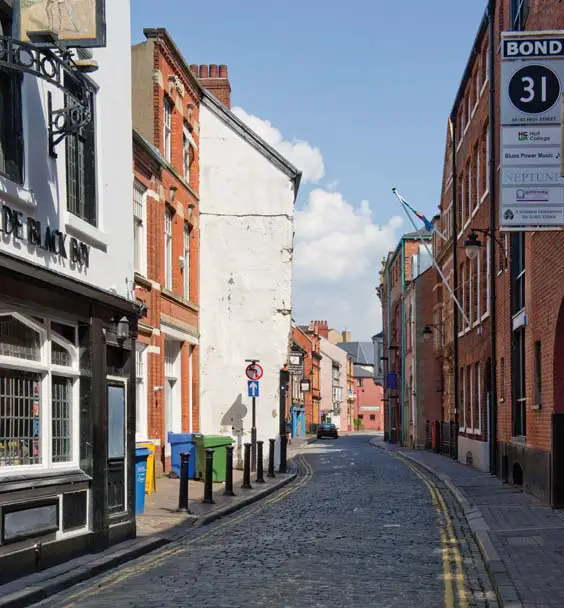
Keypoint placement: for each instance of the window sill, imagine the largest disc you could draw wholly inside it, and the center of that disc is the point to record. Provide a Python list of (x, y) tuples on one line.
[(142, 280), (15, 481), (86, 232), (180, 300), (16, 194)]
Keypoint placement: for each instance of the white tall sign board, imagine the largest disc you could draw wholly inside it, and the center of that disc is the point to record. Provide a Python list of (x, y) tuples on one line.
[(532, 85)]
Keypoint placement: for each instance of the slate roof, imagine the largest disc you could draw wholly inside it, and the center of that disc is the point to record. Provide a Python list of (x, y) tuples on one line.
[(360, 372), (361, 352)]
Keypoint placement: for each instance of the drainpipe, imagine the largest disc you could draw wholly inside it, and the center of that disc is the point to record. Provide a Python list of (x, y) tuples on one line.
[(454, 452), (388, 392), (402, 340), (492, 175)]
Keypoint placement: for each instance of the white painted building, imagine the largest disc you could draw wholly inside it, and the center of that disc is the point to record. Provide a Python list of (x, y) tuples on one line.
[(67, 318), (247, 196), (333, 381)]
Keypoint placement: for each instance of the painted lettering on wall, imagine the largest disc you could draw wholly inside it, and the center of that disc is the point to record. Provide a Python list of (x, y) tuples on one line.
[(20, 227)]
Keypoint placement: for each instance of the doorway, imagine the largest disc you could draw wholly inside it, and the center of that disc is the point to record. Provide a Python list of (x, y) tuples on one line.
[(173, 400)]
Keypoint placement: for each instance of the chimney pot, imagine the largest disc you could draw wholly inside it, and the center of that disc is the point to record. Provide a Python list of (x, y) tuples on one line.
[(194, 69), (223, 71), (213, 71), (203, 71)]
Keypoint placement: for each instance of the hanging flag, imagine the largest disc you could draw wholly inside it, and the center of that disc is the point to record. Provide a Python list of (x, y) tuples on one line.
[(428, 225)]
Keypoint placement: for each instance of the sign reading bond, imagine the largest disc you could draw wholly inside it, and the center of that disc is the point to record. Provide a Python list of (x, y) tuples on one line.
[(532, 81), (76, 23)]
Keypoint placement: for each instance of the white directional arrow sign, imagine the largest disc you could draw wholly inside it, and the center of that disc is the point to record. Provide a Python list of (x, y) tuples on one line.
[(253, 388)]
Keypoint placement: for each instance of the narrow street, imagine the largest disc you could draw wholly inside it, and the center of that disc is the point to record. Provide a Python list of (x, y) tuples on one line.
[(359, 527)]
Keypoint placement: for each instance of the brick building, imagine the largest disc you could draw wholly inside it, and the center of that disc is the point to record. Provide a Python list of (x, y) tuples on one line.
[(463, 342), (312, 369), (394, 279), (166, 98), (299, 402)]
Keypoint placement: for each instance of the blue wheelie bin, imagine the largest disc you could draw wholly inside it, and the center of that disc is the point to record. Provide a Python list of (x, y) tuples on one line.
[(183, 442), (141, 455)]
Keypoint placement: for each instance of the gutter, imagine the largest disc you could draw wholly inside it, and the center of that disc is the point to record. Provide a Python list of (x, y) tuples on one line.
[(493, 274), (403, 341)]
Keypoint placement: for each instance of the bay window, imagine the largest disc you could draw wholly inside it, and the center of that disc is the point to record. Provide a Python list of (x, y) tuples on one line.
[(38, 393)]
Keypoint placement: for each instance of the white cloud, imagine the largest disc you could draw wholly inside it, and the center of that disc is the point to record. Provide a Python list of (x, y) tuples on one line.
[(301, 154), (336, 241)]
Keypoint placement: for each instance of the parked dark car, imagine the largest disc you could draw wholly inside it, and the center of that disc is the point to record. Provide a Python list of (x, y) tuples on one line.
[(327, 430)]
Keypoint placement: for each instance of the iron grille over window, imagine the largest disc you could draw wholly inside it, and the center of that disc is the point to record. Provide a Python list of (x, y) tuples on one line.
[(61, 418), (81, 166), (20, 410)]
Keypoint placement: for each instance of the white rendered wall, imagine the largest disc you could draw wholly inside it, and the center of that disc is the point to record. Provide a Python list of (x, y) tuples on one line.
[(43, 195), (246, 236), (331, 352)]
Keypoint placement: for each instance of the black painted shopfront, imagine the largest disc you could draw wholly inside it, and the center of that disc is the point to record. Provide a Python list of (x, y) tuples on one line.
[(67, 418)]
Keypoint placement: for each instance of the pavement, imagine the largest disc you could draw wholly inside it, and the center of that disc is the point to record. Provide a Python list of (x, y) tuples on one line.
[(358, 527), (159, 525), (521, 540)]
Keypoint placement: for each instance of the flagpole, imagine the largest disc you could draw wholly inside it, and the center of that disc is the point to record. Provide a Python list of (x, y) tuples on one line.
[(424, 243)]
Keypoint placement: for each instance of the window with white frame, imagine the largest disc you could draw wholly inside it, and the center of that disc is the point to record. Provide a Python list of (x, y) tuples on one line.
[(141, 408), (38, 393), (488, 273), (478, 176), (470, 375), (519, 13), (479, 396), (167, 129), (479, 286), (463, 394), (487, 167), (168, 247), (186, 254), (186, 153), (139, 233)]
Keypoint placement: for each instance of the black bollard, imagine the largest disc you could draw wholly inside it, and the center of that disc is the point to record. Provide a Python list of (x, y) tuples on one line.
[(283, 453), (183, 490), (229, 472), (271, 458), (260, 462), (247, 468), (208, 488)]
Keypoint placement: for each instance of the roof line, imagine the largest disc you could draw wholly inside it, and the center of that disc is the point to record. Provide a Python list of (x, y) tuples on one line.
[(482, 28), (161, 32), (244, 131)]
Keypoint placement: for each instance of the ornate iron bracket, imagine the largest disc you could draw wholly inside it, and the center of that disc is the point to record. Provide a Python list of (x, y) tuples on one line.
[(58, 69)]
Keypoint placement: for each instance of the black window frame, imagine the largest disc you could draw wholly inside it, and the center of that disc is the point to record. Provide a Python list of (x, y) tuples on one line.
[(518, 13), (11, 130), (519, 382), (80, 152), (518, 272)]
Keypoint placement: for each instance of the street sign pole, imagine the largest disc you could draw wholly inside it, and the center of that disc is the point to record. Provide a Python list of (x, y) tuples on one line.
[(254, 436), (254, 373)]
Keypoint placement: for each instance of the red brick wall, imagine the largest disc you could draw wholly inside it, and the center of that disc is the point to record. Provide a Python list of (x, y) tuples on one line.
[(370, 395), (305, 342), (215, 79), (158, 177)]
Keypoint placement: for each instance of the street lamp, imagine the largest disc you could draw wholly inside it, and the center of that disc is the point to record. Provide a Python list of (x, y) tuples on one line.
[(427, 332), (473, 245)]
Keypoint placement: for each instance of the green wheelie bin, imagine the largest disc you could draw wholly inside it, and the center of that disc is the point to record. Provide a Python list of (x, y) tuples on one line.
[(218, 444)]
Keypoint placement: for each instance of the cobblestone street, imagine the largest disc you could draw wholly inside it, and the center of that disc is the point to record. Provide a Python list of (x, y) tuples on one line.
[(357, 528)]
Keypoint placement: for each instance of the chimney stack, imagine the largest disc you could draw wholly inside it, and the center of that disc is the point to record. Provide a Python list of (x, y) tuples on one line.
[(347, 337), (214, 78)]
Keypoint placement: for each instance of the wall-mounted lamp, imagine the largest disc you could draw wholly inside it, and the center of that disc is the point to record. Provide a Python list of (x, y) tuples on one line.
[(172, 194), (122, 329)]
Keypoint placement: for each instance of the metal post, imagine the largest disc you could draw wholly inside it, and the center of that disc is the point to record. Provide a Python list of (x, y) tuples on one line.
[(183, 489), (254, 436), (284, 379), (229, 472), (271, 458), (247, 468), (208, 489), (260, 463)]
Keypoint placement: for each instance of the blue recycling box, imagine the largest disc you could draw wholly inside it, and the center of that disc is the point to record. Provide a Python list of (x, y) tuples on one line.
[(183, 442), (141, 455)]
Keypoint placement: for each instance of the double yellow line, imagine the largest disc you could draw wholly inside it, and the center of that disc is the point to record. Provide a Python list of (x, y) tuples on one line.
[(117, 578), (453, 571)]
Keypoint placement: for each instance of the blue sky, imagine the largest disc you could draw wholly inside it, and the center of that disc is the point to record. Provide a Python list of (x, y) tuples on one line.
[(357, 95)]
